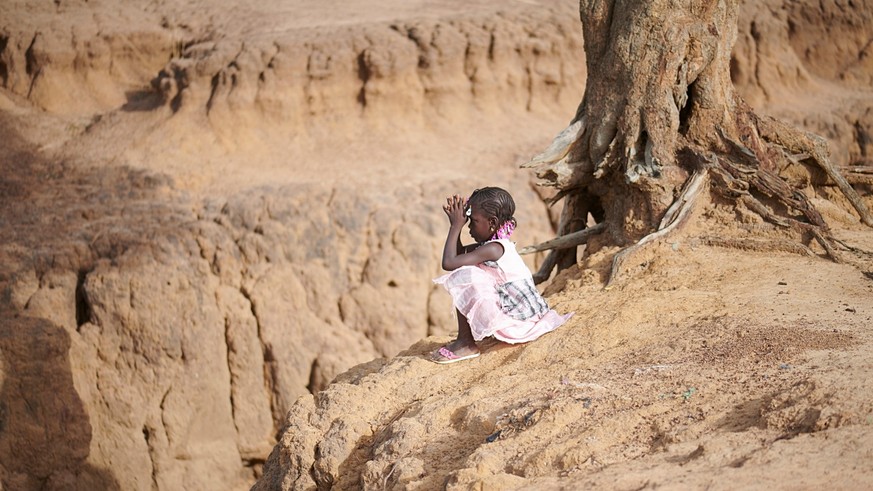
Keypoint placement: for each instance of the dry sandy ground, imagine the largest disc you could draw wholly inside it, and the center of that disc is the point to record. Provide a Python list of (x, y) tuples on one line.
[(712, 369), (702, 367)]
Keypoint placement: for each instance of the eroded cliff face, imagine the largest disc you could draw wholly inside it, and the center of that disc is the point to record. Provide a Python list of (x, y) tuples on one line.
[(810, 63), (264, 85), (210, 211), (203, 229), (190, 328)]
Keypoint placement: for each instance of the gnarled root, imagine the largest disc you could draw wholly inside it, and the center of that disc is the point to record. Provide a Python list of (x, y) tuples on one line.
[(672, 220), (799, 142), (860, 174), (566, 241), (573, 239), (743, 168), (746, 170), (734, 181), (759, 245), (546, 268)]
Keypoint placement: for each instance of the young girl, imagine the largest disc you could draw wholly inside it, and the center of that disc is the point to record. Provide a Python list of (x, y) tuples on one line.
[(491, 287)]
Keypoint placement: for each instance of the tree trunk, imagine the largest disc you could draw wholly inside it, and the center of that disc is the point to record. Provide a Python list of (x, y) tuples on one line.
[(659, 106)]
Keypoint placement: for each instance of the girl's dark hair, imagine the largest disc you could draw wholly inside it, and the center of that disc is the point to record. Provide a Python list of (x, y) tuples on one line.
[(495, 202)]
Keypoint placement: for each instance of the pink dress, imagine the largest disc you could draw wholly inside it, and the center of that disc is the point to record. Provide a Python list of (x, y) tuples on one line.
[(499, 299)]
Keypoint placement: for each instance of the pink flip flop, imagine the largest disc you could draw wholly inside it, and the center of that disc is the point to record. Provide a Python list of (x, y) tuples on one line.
[(450, 357)]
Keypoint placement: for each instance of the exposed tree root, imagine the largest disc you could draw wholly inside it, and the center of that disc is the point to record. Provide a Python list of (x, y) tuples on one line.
[(560, 146), (863, 180), (861, 169), (759, 245), (746, 170), (753, 169), (742, 174), (546, 268), (566, 241), (675, 216), (860, 174), (796, 141), (733, 189), (573, 239), (553, 164), (574, 220), (856, 250)]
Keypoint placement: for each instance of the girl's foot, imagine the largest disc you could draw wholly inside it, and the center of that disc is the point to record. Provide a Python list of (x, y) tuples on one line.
[(455, 351)]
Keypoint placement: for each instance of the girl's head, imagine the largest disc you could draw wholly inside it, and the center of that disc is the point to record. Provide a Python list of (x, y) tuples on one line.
[(491, 213)]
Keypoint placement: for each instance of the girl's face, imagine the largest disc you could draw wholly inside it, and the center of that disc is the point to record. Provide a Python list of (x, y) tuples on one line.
[(481, 226)]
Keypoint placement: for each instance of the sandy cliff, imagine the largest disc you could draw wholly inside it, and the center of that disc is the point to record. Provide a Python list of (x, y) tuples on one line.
[(249, 216)]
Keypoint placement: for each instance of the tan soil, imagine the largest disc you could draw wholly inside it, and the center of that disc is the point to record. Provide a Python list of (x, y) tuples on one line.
[(213, 210)]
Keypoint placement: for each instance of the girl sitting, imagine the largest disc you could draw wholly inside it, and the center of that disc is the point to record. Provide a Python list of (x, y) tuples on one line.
[(491, 287)]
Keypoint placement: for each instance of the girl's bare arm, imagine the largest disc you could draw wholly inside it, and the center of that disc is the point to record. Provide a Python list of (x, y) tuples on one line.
[(456, 255)]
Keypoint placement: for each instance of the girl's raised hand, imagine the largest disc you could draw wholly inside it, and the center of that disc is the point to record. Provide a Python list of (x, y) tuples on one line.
[(455, 209)]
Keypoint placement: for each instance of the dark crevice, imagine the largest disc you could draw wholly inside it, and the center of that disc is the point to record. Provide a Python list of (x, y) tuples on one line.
[(595, 209), (863, 138), (83, 308), (269, 364), (31, 66), (142, 100), (685, 113), (364, 74), (147, 436), (255, 465), (4, 70), (253, 461), (580, 206), (735, 70), (313, 381), (213, 88), (312, 471), (176, 102)]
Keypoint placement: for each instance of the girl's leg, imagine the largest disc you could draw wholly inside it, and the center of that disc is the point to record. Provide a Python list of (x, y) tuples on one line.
[(464, 344), (465, 336)]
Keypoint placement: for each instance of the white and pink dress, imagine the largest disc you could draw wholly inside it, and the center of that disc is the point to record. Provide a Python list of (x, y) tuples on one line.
[(499, 299)]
